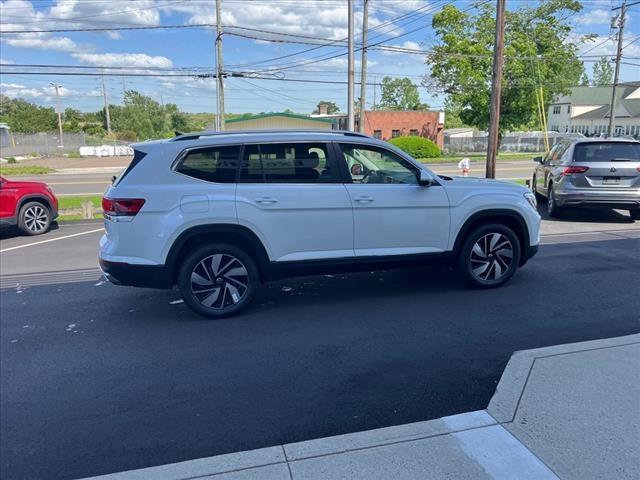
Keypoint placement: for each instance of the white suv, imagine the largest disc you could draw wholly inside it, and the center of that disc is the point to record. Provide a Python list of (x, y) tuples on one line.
[(218, 213)]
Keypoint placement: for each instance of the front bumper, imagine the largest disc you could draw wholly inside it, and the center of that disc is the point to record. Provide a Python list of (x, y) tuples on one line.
[(146, 276), (626, 200)]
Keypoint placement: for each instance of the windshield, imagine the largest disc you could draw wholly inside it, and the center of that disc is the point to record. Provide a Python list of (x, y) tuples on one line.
[(606, 152)]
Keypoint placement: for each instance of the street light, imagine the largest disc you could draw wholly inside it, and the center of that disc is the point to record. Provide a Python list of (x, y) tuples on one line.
[(56, 86)]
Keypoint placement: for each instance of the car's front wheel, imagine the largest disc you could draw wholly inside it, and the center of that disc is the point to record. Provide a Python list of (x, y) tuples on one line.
[(218, 280), (34, 218), (489, 256)]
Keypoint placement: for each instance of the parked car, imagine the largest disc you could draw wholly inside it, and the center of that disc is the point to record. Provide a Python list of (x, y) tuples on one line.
[(31, 206), (590, 172), (217, 213)]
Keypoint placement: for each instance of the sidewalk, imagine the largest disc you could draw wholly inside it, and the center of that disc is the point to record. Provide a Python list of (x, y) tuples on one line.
[(569, 411)]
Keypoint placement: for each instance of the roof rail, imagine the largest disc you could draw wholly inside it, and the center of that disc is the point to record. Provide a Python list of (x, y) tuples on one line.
[(196, 135)]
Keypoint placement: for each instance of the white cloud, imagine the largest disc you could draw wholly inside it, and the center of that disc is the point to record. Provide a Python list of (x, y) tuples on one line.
[(597, 16), (15, 90), (141, 60), (59, 44)]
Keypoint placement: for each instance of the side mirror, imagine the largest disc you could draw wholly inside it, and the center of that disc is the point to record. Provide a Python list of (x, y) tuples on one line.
[(356, 169), (537, 159), (424, 179)]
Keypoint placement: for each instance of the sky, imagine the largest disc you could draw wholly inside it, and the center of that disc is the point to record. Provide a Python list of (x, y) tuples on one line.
[(309, 46)]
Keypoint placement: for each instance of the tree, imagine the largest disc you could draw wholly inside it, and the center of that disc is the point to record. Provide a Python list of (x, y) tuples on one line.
[(400, 94), (331, 107), (584, 80), (26, 117), (538, 51), (602, 72)]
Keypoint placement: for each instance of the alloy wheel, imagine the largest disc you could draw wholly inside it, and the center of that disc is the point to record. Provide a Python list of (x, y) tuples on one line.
[(36, 218), (219, 281), (491, 257)]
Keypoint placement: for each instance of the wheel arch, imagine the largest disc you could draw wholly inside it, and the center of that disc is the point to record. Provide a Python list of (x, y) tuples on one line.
[(232, 234), (33, 198), (510, 218)]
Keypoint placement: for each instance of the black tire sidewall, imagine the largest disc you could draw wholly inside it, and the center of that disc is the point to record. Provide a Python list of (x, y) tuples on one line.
[(464, 263), (22, 224), (184, 279), (552, 207)]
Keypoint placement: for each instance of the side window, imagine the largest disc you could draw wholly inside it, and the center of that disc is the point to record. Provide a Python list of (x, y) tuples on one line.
[(372, 165), (287, 163), (213, 164)]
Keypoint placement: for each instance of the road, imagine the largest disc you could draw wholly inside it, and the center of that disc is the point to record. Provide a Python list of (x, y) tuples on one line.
[(98, 378), (65, 184)]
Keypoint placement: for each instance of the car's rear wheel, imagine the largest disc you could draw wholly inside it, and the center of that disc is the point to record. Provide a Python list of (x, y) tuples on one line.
[(534, 188), (218, 280), (552, 204), (34, 218), (635, 214), (489, 256)]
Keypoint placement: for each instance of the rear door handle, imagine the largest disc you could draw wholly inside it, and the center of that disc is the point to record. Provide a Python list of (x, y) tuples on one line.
[(364, 199), (266, 200)]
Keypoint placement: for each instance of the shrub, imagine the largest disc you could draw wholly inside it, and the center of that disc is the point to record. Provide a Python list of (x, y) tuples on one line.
[(11, 160), (417, 147), (74, 154), (126, 135)]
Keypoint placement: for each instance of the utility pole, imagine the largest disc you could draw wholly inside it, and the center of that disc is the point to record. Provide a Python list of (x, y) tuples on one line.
[(612, 109), (106, 105), (124, 89), (219, 67), (56, 86), (351, 71), (363, 63), (496, 87)]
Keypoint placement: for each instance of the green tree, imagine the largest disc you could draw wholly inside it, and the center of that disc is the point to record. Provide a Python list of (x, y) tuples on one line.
[(584, 80), (602, 72), (331, 107), (538, 53), (400, 94), (72, 120), (26, 117)]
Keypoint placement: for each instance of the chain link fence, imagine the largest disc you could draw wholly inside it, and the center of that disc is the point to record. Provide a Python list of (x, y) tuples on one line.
[(41, 144), (513, 142)]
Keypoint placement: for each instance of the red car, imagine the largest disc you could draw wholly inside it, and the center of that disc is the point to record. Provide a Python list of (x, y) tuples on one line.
[(31, 206)]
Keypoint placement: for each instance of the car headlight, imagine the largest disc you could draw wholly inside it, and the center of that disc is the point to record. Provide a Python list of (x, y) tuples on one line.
[(531, 198)]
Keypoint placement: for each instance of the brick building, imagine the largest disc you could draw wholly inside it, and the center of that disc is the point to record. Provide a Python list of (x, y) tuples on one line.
[(386, 125)]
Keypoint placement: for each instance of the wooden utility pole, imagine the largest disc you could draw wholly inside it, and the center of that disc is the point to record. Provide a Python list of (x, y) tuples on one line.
[(219, 67), (363, 64), (496, 87), (106, 105), (351, 71), (58, 109), (616, 75)]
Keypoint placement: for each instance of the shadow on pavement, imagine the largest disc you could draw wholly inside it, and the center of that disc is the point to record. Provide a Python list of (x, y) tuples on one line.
[(586, 215)]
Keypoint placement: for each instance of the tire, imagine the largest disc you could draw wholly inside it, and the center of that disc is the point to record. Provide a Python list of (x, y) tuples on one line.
[(553, 210), (534, 189), (205, 283), (34, 218), (635, 214), (489, 246)]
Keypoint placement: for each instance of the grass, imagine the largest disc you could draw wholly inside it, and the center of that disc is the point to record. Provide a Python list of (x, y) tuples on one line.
[(75, 218), (76, 202), (24, 170), (480, 157)]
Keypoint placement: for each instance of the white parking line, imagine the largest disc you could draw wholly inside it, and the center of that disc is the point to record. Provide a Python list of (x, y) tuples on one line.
[(50, 240)]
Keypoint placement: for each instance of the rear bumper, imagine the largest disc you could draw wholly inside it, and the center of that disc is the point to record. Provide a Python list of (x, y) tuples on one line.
[(605, 199), (146, 276)]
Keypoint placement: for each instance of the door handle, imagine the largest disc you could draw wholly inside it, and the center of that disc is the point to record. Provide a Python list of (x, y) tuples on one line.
[(364, 199), (266, 200)]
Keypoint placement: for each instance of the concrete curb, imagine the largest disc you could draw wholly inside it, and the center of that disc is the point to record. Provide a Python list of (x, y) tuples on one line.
[(504, 403)]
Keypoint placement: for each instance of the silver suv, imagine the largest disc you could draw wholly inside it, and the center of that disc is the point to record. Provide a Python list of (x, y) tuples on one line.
[(590, 172)]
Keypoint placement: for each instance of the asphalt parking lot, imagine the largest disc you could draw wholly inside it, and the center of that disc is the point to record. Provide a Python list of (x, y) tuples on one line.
[(98, 378)]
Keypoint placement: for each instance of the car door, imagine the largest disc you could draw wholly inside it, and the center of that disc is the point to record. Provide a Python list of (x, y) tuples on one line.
[(292, 195), (393, 214), (8, 200)]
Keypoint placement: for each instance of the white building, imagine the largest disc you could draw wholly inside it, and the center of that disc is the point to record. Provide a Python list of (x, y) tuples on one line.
[(586, 110)]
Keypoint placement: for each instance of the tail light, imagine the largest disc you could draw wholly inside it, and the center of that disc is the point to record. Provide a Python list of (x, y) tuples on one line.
[(122, 207), (574, 169)]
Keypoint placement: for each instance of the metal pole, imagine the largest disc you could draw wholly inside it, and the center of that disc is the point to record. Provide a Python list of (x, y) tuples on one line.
[(106, 105), (612, 112), (219, 67), (363, 64), (56, 86), (496, 84), (351, 71)]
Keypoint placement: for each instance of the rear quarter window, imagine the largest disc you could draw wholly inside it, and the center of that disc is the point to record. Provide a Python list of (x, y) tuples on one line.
[(212, 164), (606, 152)]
